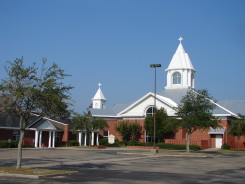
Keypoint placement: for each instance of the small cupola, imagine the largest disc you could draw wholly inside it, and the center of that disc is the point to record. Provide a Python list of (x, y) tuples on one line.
[(180, 72), (99, 99)]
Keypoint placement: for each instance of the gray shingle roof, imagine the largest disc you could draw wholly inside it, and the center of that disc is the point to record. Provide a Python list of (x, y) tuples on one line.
[(11, 121), (41, 120), (174, 94), (234, 106), (109, 112)]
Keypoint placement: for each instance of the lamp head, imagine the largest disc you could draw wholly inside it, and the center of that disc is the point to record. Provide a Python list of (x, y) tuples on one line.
[(155, 65)]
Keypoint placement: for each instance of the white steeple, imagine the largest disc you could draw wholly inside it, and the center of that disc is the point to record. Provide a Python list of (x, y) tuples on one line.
[(99, 99), (180, 72)]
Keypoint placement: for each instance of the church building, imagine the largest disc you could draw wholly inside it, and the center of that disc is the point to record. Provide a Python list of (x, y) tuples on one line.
[(180, 78)]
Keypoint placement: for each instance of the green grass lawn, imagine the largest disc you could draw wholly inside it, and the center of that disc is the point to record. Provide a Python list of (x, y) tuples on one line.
[(32, 171)]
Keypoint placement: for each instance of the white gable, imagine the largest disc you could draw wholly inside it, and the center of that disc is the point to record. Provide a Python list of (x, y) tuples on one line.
[(46, 126), (139, 107)]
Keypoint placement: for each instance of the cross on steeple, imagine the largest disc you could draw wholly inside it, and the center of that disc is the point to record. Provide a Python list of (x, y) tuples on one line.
[(180, 39), (99, 84)]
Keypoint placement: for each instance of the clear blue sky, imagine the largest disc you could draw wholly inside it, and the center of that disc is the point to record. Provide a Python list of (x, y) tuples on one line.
[(114, 42)]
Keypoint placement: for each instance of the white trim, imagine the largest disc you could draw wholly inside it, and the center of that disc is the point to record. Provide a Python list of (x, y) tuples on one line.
[(218, 105), (55, 121), (35, 122), (40, 138), (14, 128), (36, 138), (105, 116), (46, 129), (135, 103), (92, 138), (162, 99), (41, 117), (54, 135), (49, 139)]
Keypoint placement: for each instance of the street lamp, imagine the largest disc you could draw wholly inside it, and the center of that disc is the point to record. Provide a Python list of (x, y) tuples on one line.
[(154, 137)]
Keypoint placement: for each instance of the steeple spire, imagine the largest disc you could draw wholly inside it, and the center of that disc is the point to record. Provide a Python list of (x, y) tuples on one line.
[(180, 72), (99, 99)]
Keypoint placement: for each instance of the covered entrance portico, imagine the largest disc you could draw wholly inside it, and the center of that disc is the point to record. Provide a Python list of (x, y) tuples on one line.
[(217, 134), (48, 132), (83, 138), (43, 129), (39, 138)]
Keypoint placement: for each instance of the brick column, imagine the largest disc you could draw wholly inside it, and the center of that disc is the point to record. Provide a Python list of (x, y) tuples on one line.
[(65, 138)]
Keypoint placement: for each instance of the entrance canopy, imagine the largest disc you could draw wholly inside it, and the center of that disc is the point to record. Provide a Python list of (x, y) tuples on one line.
[(216, 131)]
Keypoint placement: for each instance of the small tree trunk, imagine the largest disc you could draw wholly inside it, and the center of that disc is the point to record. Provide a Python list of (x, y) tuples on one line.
[(188, 139), (89, 138), (22, 134), (19, 153)]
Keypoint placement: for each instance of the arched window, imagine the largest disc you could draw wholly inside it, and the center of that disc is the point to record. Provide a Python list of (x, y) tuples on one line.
[(176, 78), (150, 111)]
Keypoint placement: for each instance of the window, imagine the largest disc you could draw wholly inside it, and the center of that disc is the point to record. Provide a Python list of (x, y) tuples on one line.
[(16, 135), (176, 78), (150, 111), (148, 138), (106, 133)]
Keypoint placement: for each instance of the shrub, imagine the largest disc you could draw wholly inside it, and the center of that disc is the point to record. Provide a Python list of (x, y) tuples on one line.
[(194, 147), (14, 144), (225, 146), (103, 141), (28, 146), (132, 143), (116, 144), (4, 144), (129, 131), (73, 143), (176, 146)]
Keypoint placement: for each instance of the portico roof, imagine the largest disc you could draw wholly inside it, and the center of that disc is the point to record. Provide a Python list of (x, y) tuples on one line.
[(39, 123), (216, 131)]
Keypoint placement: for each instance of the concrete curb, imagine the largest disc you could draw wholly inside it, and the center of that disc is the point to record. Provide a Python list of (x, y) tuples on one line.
[(166, 155)]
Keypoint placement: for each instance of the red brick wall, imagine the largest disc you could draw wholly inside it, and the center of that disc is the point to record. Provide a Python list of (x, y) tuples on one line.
[(29, 138), (6, 134), (202, 138)]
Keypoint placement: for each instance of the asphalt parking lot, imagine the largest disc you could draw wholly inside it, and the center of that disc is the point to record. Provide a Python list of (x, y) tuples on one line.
[(127, 166)]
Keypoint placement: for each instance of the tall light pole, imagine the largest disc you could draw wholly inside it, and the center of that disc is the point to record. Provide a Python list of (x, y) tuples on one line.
[(154, 136)]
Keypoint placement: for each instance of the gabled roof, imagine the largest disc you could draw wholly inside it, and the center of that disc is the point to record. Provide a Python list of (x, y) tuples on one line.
[(174, 94), (180, 60), (109, 112), (11, 121), (56, 124), (160, 98), (236, 106), (122, 109), (173, 97)]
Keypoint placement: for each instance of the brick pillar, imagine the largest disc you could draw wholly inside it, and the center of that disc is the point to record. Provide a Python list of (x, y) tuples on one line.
[(65, 138)]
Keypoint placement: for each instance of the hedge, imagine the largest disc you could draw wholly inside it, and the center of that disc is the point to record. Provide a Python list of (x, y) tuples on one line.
[(176, 146), (6, 144), (73, 143), (104, 142), (225, 146)]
